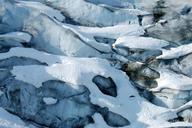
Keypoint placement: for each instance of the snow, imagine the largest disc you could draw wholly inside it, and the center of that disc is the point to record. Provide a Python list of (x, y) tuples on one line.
[(26, 52), (74, 49), (17, 36), (101, 14), (176, 52), (90, 42), (87, 34), (170, 79), (178, 124), (118, 23), (52, 13), (57, 38), (8, 120), (114, 3), (49, 100), (80, 71), (112, 31), (140, 42), (185, 106)]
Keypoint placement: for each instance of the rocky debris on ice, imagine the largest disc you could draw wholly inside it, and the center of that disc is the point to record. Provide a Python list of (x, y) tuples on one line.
[(176, 27), (143, 76)]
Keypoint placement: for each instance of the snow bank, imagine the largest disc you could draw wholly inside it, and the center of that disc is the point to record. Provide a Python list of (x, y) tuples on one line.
[(49, 100), (17, 36), (176, 52), (140, 42), (92, 15), (172, 80)]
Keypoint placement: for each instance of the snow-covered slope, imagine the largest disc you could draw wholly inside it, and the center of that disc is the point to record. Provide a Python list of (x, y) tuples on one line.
[(81, 71)]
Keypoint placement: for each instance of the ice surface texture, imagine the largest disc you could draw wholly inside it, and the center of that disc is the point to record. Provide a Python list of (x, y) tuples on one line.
[(95, 63)]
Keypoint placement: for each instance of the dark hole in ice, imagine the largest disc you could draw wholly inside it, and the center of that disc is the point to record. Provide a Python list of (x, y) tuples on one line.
[(186, 10), (105, 85), (113, 119), (104, 40)]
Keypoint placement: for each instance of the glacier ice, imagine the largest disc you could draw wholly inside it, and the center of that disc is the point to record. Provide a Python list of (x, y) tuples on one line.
[(95, 63)]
